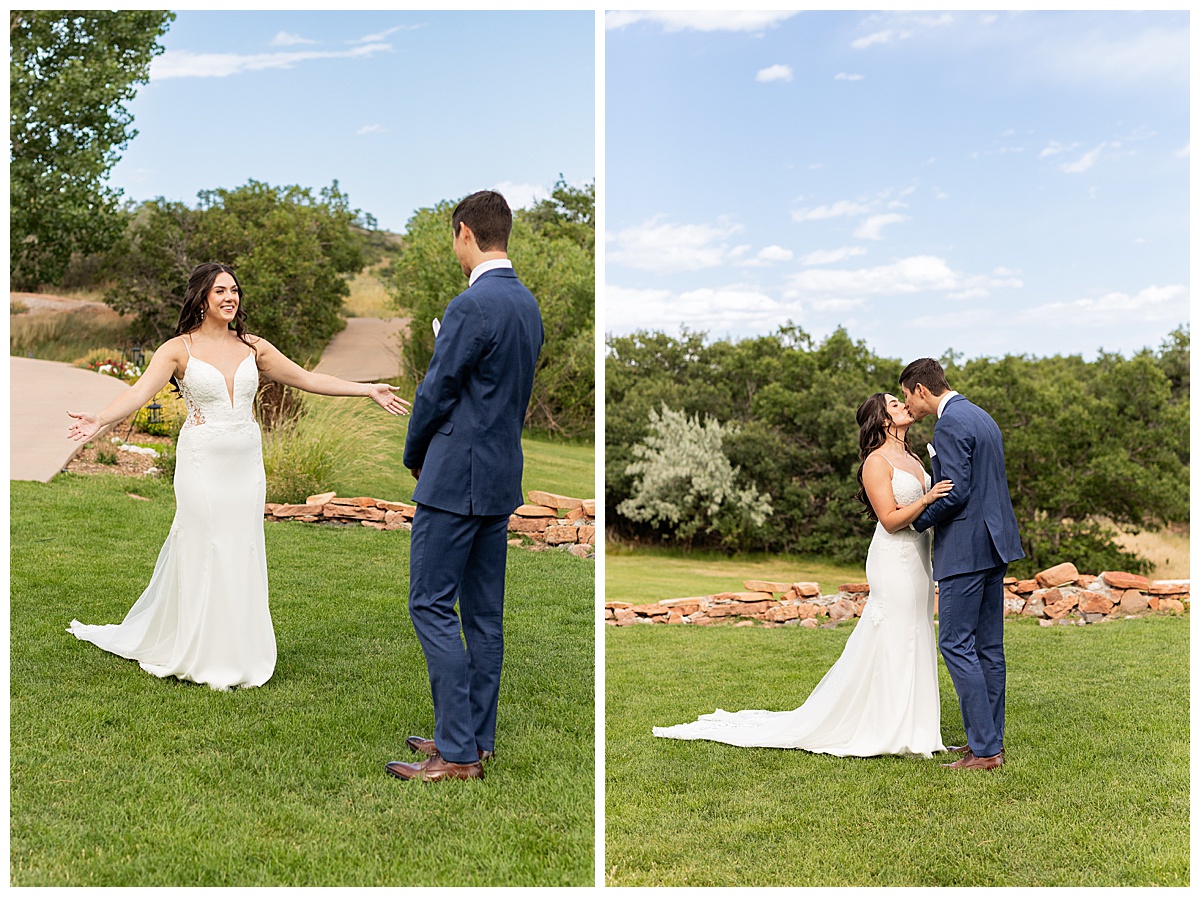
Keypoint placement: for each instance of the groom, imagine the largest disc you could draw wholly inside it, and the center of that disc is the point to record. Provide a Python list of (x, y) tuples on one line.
[(464, 449), (975, 538)]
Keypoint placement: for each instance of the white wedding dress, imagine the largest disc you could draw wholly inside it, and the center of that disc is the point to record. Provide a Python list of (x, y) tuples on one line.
[(204, 615), (881, 696)]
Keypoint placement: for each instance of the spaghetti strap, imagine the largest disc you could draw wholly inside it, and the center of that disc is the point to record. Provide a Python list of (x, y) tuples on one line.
[(886, 458), (185, 344)]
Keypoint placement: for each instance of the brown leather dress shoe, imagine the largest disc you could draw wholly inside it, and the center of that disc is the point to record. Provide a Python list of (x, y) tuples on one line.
[(970, 761), (428, 748), (434, 769), (959, 748)]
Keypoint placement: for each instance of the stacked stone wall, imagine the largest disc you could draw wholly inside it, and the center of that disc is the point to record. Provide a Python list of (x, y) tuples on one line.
[(1058, 595)]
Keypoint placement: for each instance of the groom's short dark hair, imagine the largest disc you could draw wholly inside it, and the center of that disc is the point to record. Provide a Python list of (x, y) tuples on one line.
[(928, 373), (488, 216)]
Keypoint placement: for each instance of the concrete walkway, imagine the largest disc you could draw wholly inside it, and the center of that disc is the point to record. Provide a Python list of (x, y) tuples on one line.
[(368, 350), (40, 394)]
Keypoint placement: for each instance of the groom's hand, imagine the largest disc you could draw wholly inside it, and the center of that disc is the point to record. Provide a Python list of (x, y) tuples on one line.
[(416, 473)]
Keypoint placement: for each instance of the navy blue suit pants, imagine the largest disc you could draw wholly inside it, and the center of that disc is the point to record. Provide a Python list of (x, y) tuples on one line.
[(461, 557), (971, 639)]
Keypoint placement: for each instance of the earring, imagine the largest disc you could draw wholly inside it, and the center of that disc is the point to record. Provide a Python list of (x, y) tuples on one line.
[(201, 314)]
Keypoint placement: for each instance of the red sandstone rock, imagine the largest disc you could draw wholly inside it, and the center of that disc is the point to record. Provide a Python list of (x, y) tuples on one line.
[(854, 587), (783, 612), (618, 604), (1057, 611), (297, 510), (589, 507), (1085, 580), (562, 535), (523, 525), (1034, 607), (675, 617), (649, 610), (608, 613), (807, 589), (1094, 603), (587, 533), (701, 620), (551, 500), (373, 524), (1049, 596), (361, 501), (1154, 601), (1010, 580), (1059, 575), (1026, 586), (1172, 604), (1119, 580), (352, 512), (1170, 587), (400, 507), (320, 499), (535, 511), (575, 514), (1133, 602), (842, 609), (580, 551), (742, 596), (758, 585), (807, 611), (809, 623)]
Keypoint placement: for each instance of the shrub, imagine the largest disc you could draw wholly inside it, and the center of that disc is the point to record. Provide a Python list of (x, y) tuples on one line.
[(173, 414), (106, 456), (302, 454)]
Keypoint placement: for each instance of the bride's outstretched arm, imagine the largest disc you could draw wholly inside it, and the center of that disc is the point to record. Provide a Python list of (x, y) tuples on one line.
[(877, 481), (279, 367), (163, 365)]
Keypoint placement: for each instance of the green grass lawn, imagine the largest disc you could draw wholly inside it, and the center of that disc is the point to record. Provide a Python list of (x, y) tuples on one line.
[(641, 575), (1094, 791), (120, 778)]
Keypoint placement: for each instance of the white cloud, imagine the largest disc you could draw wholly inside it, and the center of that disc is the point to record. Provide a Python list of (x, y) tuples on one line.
[(915, 274), (872, 228), (521, 196), (371, 129), (1084, 162), (832, 256), (774, 73), (1053, 148), (726, 20), (842, 76), (839, 209), (879, 37), (186, 64), (383, 35), (720, 310), (768, 255), (666, 248), (1167, 304), (1154, 54), (287, 39)]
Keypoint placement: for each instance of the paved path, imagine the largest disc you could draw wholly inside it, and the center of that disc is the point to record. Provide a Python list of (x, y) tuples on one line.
[(41, 393), (366, 351)]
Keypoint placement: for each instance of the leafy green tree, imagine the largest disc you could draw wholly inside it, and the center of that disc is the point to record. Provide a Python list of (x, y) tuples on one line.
[(683, 482), (70, 75), (290, 250), (554, 260)]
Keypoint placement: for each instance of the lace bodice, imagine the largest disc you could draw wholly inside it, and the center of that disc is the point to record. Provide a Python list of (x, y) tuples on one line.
[(207, 395), (906, 488)]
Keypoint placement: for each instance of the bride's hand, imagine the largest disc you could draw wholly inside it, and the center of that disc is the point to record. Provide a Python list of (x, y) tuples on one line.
[(383, 395), (937, 491), (85, 426)]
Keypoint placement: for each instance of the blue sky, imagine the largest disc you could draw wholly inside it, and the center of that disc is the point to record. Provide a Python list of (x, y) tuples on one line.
[(992, 183), (403, 108)]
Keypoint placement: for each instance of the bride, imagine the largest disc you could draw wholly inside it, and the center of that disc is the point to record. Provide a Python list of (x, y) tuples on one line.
[(881, 696), (204, 615)]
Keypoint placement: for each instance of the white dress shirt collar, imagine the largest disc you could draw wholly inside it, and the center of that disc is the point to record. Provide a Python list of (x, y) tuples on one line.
[(946, 398), (484, 267)]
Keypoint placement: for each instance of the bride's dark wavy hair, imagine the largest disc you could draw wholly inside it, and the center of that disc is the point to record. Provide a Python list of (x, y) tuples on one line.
[(195, 300), (873, 423)]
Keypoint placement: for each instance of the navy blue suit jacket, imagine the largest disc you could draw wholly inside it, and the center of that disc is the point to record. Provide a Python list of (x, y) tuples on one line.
[(464, 434), (974, 525)]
